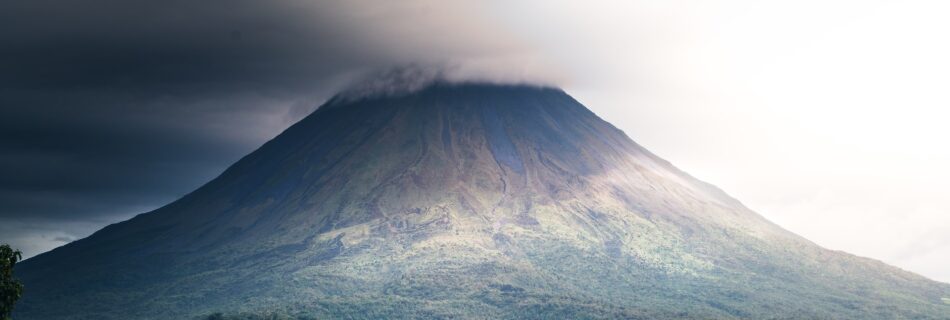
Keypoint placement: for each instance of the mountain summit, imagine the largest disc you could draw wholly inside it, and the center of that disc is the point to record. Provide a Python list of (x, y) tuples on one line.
[(461, 201)]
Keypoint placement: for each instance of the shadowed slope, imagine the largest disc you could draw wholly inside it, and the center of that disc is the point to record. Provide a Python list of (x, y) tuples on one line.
[(461, 201)]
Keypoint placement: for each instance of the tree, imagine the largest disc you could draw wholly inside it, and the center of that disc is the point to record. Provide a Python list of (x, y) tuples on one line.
[(10, 288)]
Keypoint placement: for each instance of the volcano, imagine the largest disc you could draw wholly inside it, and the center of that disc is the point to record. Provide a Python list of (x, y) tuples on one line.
[(461, 200)]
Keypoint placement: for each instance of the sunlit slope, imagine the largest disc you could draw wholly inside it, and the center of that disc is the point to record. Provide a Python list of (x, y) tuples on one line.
[(472, 201)]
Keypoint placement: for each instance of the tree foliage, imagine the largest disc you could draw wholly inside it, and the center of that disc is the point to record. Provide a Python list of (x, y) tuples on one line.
[(10, 288)]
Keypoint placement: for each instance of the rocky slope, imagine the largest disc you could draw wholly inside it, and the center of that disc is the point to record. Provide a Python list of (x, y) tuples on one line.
[(461, 200)]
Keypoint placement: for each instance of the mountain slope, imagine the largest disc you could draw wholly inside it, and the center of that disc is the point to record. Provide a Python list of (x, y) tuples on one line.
[(468, 200)]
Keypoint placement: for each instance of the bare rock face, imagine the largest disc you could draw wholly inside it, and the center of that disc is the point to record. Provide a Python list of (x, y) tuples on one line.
[(461, 201)]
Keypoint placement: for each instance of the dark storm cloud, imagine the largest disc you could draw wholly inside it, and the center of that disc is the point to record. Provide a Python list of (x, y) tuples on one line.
[(101, 154), (170, 44), (114, 103), (270, 46), (109, 108)]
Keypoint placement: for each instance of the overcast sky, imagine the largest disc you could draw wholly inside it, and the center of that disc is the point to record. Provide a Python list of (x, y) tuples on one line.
[(827, 117)]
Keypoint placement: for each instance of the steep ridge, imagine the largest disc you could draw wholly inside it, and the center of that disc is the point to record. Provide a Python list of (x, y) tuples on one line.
[(461, 200)]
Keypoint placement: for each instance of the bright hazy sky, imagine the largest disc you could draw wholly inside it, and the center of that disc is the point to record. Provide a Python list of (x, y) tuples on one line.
[(829, 118)]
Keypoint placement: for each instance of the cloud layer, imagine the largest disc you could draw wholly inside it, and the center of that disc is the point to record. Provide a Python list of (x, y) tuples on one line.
[(109, 108)]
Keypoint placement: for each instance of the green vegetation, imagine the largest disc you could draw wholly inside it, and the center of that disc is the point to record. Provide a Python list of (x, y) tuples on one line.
[(10, 287)]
